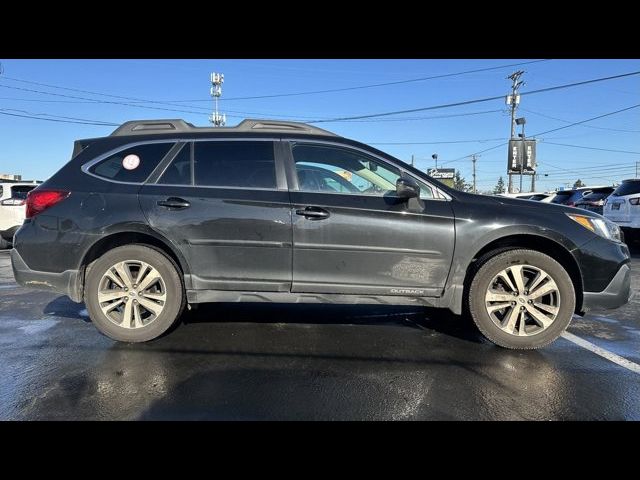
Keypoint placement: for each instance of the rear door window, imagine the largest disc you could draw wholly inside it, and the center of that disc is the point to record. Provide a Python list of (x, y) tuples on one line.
[(133, 164), (237, 164)]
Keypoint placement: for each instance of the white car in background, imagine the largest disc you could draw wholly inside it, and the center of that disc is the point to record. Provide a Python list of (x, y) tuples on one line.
[(537, 197), (13, 197), (623, 207)]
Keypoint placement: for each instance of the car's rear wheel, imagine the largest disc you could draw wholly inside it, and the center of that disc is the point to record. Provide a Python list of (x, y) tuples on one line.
[(134, 293), (4, 244), (521, 299)]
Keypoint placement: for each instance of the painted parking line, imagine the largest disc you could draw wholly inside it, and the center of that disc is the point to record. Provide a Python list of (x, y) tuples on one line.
[(612, 357)]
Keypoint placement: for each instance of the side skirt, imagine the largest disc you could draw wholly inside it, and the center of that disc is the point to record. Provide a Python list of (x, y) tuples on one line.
[(212, 296)]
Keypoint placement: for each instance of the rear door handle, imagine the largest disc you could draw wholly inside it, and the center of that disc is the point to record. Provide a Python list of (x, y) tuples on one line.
[(174, 202), (313, 213)]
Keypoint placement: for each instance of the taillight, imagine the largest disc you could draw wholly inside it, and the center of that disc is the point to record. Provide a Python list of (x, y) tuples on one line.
[(634, 201), (39, 200)]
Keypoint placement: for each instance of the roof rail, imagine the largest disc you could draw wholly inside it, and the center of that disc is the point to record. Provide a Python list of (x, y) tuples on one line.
[(140, 127), (134, 127)]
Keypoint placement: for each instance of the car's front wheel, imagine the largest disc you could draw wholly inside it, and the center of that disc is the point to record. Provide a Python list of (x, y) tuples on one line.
[(134, 293), (521, 299)]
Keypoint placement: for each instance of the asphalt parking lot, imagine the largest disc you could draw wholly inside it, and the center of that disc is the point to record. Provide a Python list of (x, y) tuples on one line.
[(259, 362)]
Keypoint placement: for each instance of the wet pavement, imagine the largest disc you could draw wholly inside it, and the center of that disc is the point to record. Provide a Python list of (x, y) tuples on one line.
[(256, 362)]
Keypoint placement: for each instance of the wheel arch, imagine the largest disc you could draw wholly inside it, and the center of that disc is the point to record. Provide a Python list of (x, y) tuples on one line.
[(129, 237), (539, 243)]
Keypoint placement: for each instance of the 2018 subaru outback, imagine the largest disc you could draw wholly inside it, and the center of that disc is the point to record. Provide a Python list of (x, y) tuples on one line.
[(161, 213)]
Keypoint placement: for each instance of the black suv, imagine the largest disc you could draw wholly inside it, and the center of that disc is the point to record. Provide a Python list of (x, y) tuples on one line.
[(161, 214)]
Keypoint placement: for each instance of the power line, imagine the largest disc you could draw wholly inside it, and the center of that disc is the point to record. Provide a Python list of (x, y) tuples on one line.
[(435, 143), (57, 116), (608, 166), (58, 120), (121, 97), (385, 84), (480, 100), (404, 119), (552, 130), (293, 117), (345, 118), (574, 171), (591, 148), (111, 102), (333, 90), (596, 170), (588, 120), (587, 126)]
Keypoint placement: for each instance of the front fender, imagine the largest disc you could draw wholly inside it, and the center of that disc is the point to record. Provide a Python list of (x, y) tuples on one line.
[(469, 246)]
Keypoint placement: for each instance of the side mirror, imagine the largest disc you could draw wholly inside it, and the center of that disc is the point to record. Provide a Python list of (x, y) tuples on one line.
[(12, 202), (407, 188)]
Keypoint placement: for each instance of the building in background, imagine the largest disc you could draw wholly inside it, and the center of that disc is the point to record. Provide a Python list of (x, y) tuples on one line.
[(445, 175)]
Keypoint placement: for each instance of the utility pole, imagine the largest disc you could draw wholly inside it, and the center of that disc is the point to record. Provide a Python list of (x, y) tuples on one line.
[(637, 164), (435, 157), (522, 121), (513, 100), (412, 162), (473, 159), (217, 79)]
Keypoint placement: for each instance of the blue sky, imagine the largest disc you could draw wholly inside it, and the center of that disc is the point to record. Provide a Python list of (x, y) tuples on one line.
[(37, 148)]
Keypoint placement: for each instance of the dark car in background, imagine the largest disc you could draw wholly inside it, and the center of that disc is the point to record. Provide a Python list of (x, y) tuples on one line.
[(538, 197), (571, 197), (594, 201), (162, 214)]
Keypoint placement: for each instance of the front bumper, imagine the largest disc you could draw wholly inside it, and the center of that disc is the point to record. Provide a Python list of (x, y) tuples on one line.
[(617, 293), (66, 282)]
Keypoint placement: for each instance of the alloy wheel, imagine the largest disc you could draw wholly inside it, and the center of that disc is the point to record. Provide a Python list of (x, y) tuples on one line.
[(523, 300), (132, 294)]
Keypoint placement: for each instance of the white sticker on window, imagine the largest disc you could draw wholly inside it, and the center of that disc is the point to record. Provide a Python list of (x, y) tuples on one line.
[(131, 162)]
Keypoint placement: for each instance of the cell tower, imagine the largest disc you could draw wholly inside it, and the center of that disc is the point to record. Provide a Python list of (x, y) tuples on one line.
[(218, 120)]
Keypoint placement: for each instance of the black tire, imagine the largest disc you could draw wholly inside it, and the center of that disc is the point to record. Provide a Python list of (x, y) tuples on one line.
[(4, 244), (175, 296), (489, 267)]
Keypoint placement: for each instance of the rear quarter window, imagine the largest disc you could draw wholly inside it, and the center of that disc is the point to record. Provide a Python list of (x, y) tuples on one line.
[(141, 161)]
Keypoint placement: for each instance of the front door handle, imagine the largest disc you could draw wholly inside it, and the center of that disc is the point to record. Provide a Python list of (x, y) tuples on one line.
[(313, 213), (174, 202)]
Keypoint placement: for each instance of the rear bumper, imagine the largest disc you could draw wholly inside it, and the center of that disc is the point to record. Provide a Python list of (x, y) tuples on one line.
[(65, 282), (630, 222), (617, 293)]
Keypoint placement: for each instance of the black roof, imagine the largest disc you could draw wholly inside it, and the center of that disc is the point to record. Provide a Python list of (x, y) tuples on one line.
[(147, 127)]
